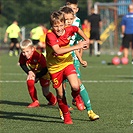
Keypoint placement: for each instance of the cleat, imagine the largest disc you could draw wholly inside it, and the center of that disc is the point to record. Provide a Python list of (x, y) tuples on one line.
[(67, 119), (61, 114), (10, 53), (132, 62), (92, 115), (79, 103), (98, 53), (74, 103), (53, 103), (34, 104), (16, 53)]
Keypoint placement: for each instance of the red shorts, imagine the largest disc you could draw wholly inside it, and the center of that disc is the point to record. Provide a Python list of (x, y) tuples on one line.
[(57, 78)]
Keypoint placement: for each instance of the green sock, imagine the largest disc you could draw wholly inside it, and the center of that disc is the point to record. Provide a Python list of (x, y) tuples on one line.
[(85, 97)]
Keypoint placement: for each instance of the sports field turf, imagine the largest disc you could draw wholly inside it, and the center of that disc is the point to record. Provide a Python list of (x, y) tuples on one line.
[(110, 89)]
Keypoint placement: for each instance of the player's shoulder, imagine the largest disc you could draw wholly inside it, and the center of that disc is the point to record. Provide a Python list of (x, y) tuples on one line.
[(50, 33), (77, 19), (70, 28)]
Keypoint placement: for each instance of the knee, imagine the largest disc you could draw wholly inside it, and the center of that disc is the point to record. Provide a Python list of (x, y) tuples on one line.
[(75, 86)]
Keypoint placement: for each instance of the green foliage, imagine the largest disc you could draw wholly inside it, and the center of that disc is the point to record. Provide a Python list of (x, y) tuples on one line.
[(28, 11), (35, 11)]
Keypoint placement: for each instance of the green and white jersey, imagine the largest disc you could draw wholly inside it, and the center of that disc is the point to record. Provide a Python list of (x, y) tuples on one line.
[(74, 40)]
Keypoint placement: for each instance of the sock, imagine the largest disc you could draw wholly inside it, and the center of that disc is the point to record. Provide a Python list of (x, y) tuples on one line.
[(91, 47), (85, 97), (75, 93), (32, 90), (63, 105), (121, 48), (99, 47), (51, 98), (17, 49)]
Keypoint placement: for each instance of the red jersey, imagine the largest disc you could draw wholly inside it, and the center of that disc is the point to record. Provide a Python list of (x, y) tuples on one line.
[(36, 62), (56, 62)]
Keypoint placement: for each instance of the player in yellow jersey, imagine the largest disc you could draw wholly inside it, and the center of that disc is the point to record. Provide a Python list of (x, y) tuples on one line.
[(13, 31), (77, 59), (60, 63)]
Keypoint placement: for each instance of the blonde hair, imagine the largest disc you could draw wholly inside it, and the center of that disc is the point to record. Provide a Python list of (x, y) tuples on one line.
[(26, 43), (57, 17)]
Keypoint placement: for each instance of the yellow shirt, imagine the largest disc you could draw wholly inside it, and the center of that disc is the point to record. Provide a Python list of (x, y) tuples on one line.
[(13, 31), (37, 33), (57, 62)]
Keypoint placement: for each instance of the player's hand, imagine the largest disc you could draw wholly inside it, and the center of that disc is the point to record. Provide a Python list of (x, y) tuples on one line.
[(88, 42), (83, 44), (5, 40), (84, 63), (121, 35), (31, 75)]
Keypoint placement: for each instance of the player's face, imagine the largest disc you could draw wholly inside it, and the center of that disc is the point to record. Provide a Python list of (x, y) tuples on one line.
[(58, 28), (74, 8), (27, 52), (68, 19)]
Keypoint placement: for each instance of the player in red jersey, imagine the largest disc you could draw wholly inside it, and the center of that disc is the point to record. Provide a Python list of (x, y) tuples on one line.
[(60, 62), (34, 64)]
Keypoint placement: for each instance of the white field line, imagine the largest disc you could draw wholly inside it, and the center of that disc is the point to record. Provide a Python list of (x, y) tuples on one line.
[(107, 81), (84, 81)]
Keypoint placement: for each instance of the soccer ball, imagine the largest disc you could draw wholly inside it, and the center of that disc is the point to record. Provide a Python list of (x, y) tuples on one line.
[(115, 60), (124, 60)]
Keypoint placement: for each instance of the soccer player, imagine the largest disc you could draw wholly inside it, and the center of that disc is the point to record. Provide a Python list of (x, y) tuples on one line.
[(127, 31), (36, 33), (34, 64), (13, 31), (60, 63), (95, 27), (77, 59)]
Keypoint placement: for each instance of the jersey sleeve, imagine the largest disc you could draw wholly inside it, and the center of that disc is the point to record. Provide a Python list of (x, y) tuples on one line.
[(74, 29), (22, 59), (51, 39), (8, 29)]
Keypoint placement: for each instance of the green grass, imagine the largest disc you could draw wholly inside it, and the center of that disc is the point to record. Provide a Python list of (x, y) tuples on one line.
[(110, 89)]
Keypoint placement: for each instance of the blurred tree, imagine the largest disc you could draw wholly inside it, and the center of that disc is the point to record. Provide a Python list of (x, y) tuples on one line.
[(29, 12)]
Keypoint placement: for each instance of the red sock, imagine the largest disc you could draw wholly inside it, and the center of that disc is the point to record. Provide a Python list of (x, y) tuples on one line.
[(63, 105), (75, 93), (121, 48), (32, 90), (51, 98)]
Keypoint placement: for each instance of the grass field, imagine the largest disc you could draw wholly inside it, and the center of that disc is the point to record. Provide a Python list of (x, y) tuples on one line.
[(110, 89)]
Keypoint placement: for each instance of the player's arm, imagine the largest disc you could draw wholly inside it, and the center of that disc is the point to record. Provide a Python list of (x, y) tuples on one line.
[(61, 50), (83, 63), (25, 68), (42, 72), (5, 38), (30, 73), (81, 33), (123, 29)]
